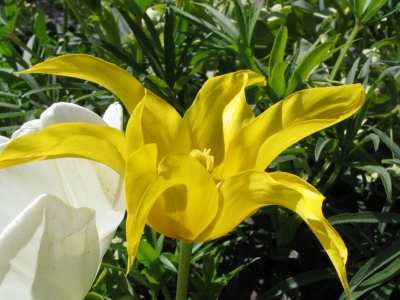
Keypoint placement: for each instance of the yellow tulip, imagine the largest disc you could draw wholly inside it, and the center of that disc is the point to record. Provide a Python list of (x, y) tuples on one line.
[(196, 177)]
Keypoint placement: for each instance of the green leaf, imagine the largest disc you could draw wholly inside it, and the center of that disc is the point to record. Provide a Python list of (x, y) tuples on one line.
[(313, 59), (169, 47), (297, 281), (370, 9), (278, 49), (204, 25), (146, 45), (377, 279), (383, 174), (93, 296), (371, 137), (321, 143), (365, 217), (388, 141), (374, 264), (146, 254), (352, 74), (224, 22), (276, 81), (241, 22)]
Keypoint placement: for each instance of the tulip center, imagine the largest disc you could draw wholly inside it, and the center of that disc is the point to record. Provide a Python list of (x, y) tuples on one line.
[(204, 158)]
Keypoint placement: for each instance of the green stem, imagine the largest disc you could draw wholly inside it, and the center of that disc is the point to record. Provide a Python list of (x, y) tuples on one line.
[(332, 178), (356, 29), (183, 271)]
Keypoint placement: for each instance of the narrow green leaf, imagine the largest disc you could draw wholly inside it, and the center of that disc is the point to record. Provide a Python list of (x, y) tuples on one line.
[(373, 265), (313, 59), (297, 281), (252, 20), (371, 137), (377, 279), (155, 39), (321, 143), (352, 74), (278, 49), (365, 217), (383, 292), (383, 174), (146, 45), (241, 22), (224, 22), (276, 81), (371, 8), (136, 68), (388, 141), (169, 47), (204, 25)]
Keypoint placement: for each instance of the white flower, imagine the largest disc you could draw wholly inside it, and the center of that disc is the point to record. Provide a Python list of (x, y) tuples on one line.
[(58, 216)]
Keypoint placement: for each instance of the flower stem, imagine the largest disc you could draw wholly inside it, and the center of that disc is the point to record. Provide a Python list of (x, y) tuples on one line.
[(183, 271)]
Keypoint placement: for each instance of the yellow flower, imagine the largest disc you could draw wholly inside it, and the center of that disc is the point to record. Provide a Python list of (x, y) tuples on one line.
[(196, 178)]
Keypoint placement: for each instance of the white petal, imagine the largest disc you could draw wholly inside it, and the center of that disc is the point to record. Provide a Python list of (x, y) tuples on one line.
[(3, 142), (67, 112), (78, 182), (113, 116), (50, 251), (27, 128)]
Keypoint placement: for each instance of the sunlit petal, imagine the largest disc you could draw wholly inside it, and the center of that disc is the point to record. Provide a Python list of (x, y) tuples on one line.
[(297, 116), (189, 203), (87, 67), (155, 121), (27, 128), (49, 251), (78, 182), (114, 116), (243, 194), (99, 143), (67, 112), (141, 169), (219, 110)]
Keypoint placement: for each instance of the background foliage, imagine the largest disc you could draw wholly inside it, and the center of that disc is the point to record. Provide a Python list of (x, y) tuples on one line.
[(172, 47)]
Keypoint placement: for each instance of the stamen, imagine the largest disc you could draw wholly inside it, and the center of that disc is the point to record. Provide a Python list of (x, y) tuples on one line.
[(204, 158)]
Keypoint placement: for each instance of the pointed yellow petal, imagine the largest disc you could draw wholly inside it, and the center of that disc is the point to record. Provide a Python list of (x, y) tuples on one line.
[(87, 67), (81, 140), (297, 116), (243, 194), (180, 202), (219, 110), (141, 169), (155, 121), (309, 208)]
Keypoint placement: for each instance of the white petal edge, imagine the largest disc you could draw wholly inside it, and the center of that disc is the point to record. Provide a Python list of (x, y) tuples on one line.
[(113, 116), (50, 251), (27, 128), (67, 112)]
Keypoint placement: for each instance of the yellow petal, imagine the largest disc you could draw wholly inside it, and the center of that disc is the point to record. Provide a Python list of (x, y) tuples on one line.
[(180, 202), (280, 126), (189, 198), (81, 140), (310, 210), (219, 110), (87, 67), (141, 169), (243, 194), (155, 121)]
